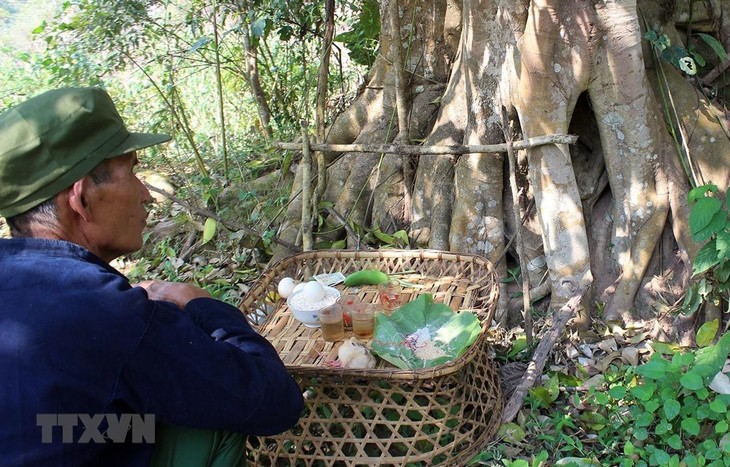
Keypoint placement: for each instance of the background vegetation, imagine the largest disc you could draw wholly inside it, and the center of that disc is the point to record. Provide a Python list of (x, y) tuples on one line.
[(225, 79), (181, 68)]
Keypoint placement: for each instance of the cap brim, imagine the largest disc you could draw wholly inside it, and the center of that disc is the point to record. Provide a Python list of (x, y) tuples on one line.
[(137, 141)]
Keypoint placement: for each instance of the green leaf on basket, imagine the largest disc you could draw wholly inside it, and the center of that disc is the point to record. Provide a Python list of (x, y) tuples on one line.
[(422, 334)]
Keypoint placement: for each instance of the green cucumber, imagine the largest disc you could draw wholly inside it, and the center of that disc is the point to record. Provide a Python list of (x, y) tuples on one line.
[(366, 277)]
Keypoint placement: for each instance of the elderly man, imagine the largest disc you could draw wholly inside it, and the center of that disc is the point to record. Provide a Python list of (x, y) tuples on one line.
[(87, 361)]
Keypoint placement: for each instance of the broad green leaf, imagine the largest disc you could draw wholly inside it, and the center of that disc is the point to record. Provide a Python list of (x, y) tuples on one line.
[(714, 44), (542, 396), (699, 59), (722, 244), (402, 236), (722, 273), (664, 348), (706, 258), (675, 442), (629, 448), (617, 392), (644, 419), (641, 434), (682, 359), (339, 244), (690, 460), (423, 320), (601, 398), (518, 345), (691, 426), (718, 406), (660, 456), (655, 368), (702, 213), (715, 226), (553, 387), (671, 408), (662, 427), (710, 360), (707, 332), (569, 380), (652, 405), (643, 392), (692, 381), (699, 192), (384, 237), (711, 450), (209, 229)]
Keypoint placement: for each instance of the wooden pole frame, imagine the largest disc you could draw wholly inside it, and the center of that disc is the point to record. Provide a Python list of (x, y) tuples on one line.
[(420, 150)]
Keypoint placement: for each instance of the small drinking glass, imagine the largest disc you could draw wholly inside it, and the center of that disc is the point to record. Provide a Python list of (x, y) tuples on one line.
[(389, 295), (363, 321), (349, 303), (331, 323)]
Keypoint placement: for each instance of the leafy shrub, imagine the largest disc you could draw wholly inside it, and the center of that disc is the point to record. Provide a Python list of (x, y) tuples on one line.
[(668, 411), (708, 222)]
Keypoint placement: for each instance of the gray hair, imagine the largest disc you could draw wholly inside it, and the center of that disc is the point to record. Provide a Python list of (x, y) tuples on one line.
[(46, 213)]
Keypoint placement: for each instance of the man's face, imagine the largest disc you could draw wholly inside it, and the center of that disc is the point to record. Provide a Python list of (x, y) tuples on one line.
[(118, 208)]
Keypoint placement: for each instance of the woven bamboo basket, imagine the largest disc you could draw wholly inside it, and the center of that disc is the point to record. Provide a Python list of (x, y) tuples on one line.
[(383, 416)]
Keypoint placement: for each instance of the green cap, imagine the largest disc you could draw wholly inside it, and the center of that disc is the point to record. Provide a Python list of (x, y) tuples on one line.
[(52, 140)]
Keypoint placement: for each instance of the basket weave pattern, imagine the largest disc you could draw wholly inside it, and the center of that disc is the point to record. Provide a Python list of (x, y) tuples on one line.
[(385, 415)]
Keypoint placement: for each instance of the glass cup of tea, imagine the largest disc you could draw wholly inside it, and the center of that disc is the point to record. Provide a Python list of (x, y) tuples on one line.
[(349, 303), (389, 293), (331, 323), (363, 321)]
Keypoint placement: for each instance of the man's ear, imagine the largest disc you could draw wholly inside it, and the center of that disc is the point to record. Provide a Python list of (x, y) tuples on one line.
[(78, 198)]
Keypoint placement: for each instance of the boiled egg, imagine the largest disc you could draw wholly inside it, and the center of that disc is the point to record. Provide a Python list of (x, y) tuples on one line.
[(286, 287), (313, 291)]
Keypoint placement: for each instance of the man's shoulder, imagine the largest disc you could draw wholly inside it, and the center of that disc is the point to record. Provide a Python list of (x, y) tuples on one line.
[(44, 256)]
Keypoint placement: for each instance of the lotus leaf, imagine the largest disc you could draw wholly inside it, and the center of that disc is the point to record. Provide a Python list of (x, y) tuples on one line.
[(422, 334)]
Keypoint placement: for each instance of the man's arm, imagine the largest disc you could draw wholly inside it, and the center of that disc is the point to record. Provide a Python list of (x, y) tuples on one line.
[(205, 367)]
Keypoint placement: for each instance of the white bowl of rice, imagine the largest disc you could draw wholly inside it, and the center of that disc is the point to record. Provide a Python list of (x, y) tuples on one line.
[(306, 311)]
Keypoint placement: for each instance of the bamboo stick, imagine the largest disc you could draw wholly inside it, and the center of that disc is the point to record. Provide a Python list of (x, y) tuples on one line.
[(420, 150)]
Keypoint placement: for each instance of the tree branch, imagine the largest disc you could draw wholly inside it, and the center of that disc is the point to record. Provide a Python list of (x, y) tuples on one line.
[(539, 358)]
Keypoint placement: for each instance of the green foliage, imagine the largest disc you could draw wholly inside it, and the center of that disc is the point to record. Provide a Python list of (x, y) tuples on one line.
[(362, 38), (664, 412), (708, 222)]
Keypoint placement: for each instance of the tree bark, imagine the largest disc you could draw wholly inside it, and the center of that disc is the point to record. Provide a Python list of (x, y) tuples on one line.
[(554, 67)]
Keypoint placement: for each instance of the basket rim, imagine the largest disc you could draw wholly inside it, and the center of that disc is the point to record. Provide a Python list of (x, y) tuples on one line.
[(389, 373)]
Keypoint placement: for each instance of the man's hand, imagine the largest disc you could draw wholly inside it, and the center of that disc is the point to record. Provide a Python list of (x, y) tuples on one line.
[(175, 292)]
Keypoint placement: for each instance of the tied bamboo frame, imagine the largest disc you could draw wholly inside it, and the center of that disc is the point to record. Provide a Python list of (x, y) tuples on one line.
[(385, 415)]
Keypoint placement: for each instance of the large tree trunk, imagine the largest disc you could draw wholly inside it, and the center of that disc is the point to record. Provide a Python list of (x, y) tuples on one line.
[(602, 206)]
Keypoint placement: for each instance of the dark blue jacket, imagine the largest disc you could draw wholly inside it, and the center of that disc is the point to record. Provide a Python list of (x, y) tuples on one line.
[(76, 338)]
